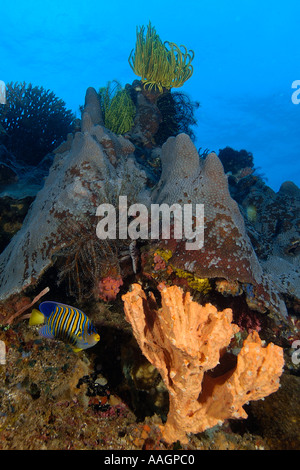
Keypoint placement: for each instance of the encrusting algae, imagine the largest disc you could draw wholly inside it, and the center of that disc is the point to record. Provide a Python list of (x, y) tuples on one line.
[(161, 261)]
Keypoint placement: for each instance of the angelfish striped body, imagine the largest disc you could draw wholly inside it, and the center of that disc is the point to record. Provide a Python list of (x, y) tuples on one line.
[(65, 323)]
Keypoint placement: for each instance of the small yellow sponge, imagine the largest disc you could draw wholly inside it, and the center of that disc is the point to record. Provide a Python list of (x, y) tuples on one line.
[(36, 318)]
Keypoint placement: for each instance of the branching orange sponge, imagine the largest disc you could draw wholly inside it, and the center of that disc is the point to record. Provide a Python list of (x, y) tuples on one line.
[(184, 341)]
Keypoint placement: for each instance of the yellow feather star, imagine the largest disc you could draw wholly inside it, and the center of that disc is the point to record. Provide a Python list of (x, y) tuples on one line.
[(160, 65)]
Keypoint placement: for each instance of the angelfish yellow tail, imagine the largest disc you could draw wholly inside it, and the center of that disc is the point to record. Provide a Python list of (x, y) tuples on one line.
[(36, 318)]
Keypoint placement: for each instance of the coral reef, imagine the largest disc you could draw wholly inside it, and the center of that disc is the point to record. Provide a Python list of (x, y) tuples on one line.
[(184, 341), (51, 398), (187, 352), (94, 167), (274, 231)]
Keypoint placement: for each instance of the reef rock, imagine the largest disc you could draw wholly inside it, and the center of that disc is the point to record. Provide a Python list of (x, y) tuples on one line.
[(148, 116), (275, 232)]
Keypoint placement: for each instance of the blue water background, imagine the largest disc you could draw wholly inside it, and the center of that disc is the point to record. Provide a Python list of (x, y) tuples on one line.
[(247, 56)]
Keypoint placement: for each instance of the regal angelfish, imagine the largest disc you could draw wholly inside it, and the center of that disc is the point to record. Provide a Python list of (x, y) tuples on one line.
[(65, 323)]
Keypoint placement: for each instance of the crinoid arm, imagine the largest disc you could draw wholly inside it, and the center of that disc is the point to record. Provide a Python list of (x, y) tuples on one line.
[(160, 65)]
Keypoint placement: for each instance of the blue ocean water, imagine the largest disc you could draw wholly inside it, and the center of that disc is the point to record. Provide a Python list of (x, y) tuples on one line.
[(246, 60)]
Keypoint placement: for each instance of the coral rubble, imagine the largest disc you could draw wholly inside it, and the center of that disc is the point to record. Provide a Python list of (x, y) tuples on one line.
[(184, 341)]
